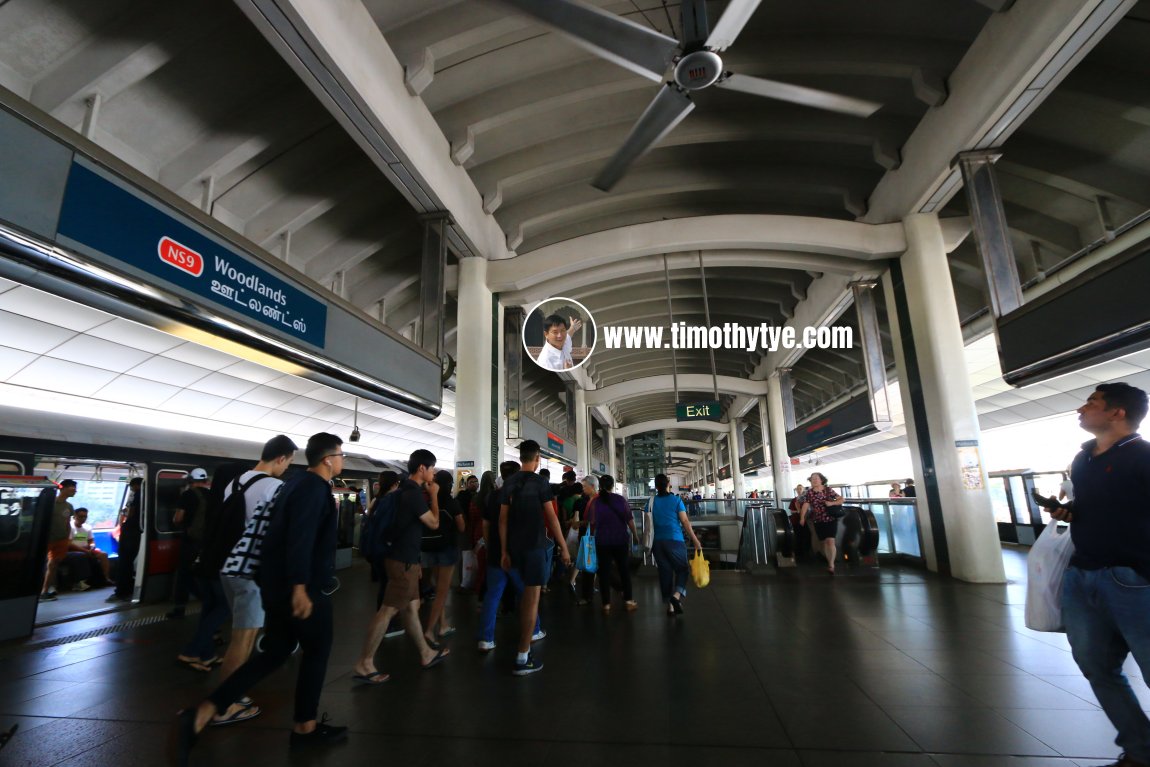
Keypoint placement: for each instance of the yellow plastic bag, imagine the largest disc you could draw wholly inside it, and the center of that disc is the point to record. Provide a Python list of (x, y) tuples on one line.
[(700, 570)]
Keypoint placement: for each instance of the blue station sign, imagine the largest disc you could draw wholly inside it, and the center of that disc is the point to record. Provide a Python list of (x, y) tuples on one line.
[(104, 216)]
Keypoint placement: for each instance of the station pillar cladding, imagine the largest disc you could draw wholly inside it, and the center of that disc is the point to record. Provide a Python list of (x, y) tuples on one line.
[(733, 439), (780, 461), (959, 533), (473, 366)]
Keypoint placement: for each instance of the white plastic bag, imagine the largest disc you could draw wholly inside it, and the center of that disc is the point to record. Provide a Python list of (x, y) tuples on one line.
[(1045, 566), (469, 570)]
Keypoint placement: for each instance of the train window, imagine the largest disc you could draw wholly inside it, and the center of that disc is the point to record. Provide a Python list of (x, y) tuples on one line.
[(170, 483), (102, 498), (998, 500), (12, 467)]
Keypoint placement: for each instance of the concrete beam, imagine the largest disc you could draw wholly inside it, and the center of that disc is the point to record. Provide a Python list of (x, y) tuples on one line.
[(1014, 64)]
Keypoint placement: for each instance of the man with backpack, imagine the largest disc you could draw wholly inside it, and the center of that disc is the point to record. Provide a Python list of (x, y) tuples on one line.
[(526, 512), (191, 517), (294, 564), (402, 535), (246, 499)]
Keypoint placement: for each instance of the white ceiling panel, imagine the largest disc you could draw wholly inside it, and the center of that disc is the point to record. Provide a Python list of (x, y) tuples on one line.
[(98, 353), (195, 403), (13, 360), (335, 414), (291, 384), (266, 396), (59, 311), (135, 335), (201, 356), (30, 335), (222, 385), (250, 371), (278, 420), (302, 406), (137, 391), (169, 371), (315, 426), (6, 285), (241, 412), (62, 376)]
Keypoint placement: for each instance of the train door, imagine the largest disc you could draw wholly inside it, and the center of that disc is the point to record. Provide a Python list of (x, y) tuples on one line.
[(160, 552), (25, 516), (83, 586)]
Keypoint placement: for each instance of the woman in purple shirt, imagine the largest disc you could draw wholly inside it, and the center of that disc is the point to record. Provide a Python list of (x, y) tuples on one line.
[(613, 526)]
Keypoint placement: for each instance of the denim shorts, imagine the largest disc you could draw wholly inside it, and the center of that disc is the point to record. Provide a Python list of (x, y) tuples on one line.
[(448, 557), (243, 595)]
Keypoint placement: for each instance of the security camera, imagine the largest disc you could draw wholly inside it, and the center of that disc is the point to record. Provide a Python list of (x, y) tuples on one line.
[(354, 436)]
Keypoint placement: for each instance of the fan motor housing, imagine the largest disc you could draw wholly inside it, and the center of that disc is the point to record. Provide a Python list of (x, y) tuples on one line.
[(698, 70)]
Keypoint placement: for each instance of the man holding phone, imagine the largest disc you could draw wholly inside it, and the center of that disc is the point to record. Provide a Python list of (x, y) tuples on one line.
[(1105, 594)]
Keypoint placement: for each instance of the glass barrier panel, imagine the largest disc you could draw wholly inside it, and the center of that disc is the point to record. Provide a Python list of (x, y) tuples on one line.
[(904, 528), (998, 500), (1019, 500)]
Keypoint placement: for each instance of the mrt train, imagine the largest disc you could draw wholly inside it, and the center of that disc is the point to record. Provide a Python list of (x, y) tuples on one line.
[(102, 457)]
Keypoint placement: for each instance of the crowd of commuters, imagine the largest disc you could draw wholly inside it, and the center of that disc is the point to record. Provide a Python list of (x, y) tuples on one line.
[(276, 571), (261, 551)]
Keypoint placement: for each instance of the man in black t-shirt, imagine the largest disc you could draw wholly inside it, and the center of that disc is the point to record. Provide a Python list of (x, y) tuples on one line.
[(190, 517), (401, 563), (526, 509)]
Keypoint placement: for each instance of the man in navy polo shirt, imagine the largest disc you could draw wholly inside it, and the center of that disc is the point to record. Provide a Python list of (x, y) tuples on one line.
[(1106, 589)]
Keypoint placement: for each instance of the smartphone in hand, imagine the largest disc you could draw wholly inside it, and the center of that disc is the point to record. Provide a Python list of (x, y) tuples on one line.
[(1041, 500)]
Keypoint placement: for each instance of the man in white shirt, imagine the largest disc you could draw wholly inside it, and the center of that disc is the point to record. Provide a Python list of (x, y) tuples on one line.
[(556, 352), (243, 593), (84, 542)]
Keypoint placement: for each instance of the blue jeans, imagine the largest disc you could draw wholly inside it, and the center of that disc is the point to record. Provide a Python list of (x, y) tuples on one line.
[(214, 613), (671, 559), (497, 580), (1107, 616)]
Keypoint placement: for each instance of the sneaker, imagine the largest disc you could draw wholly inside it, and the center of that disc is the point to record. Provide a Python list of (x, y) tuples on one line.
[(530, 667), (540, 634), (48, 596), (486, 646), (81, 586), (632, 606), (323, 734), (116, 598)]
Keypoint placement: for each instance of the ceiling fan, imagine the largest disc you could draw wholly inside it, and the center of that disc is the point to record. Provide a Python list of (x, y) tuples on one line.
[(696, 61)]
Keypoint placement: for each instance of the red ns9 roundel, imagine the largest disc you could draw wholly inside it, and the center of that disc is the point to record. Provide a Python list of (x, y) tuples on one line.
[(183, 258)]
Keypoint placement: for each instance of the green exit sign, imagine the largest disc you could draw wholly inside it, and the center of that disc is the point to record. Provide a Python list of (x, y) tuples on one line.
[(698, 411)]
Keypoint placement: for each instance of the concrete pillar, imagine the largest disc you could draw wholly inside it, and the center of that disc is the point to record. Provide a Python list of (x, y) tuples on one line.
[(473, 366), (733, 442), (780, 460), (716, 463), (959, 533), (611, 460), (582, 432)]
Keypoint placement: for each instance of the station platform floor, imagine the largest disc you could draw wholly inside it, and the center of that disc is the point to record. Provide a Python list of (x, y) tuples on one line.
[(894, 668)]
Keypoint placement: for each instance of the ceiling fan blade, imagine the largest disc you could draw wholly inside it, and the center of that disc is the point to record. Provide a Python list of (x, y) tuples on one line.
[(668, 108), (622, 41), (696, 28), (797, 94), (731, 23)]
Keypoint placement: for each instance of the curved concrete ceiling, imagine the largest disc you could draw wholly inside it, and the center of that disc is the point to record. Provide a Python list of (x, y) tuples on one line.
[(326, 163)]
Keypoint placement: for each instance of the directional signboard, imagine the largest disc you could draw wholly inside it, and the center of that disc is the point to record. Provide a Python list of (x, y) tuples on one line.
[(709, 410)]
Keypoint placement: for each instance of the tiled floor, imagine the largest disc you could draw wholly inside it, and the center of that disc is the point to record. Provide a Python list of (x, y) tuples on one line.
[(898, 669)]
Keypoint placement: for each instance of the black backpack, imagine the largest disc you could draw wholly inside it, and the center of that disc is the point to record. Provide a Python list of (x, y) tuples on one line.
[(229, 525)]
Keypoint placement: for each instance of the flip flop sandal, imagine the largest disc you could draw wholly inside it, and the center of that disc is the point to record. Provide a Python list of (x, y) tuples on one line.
[(374, 678), (241, 715), (439, 658), (446, 632), (195, 665)]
